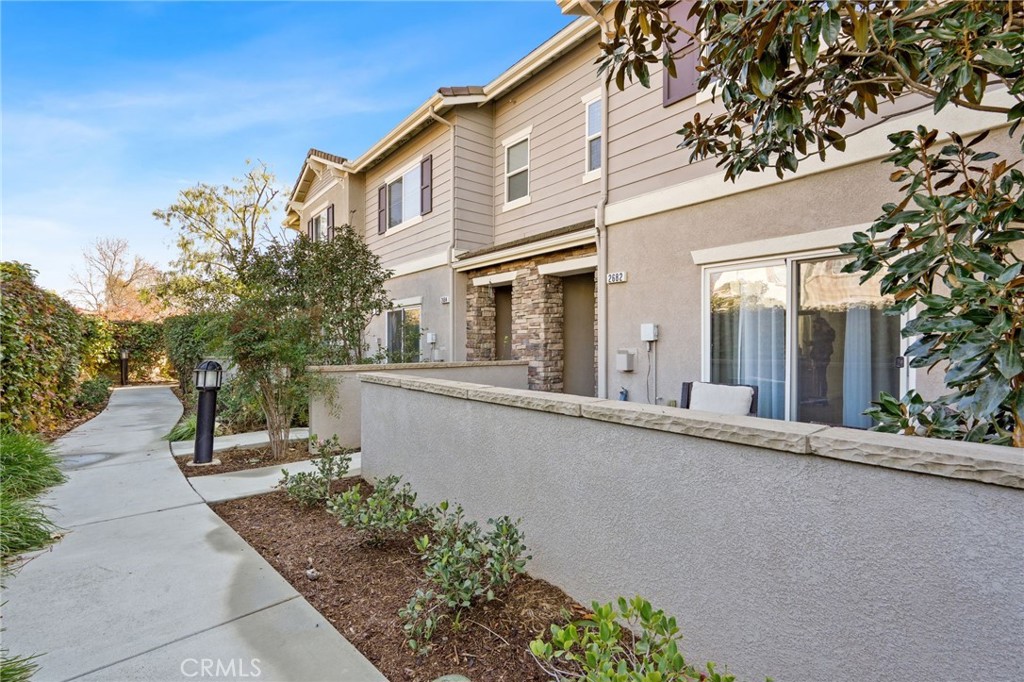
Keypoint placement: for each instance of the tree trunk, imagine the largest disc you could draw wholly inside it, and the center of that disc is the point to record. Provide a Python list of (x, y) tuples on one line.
[(276, 431)]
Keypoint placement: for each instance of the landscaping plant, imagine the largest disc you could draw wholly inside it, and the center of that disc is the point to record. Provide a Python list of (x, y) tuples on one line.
[(386, 513), (17, 668), (631, 643), (27, 467), (92, 393), (332, 463), (462, 565)]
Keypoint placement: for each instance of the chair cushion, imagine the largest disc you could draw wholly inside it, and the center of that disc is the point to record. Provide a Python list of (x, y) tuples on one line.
[(721, 398)]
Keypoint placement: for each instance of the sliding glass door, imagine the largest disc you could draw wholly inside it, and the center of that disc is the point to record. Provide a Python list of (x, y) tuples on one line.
[(813, 340), (847, 349)]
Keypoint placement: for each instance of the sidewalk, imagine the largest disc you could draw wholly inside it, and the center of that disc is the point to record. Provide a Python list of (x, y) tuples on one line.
[(148, 583)]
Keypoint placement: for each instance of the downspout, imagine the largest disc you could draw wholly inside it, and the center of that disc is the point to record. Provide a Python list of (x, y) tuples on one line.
[(451, 238), (602, 253)]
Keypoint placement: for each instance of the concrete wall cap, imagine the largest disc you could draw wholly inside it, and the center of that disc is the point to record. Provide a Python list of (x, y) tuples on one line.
[(382, 378), (993, 464), (765, 433), (557, 403), (402, 366)]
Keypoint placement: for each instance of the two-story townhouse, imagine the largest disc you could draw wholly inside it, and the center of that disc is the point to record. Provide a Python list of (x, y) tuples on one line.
[(481, 203), (557, 221)]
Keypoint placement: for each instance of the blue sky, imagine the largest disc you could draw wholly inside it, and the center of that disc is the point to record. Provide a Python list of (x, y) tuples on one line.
[(109, 109)]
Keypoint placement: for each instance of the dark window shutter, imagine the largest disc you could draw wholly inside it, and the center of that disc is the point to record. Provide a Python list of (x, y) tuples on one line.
[(309, 228), (685, 83), (330, 221), (382, 209), (426, 185)]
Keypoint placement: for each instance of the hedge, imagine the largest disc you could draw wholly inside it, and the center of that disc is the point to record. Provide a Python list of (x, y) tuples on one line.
[(41, 343), (188, 339)]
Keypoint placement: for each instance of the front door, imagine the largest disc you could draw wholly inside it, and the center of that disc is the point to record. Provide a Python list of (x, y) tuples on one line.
[(503, 323), (579, 340)]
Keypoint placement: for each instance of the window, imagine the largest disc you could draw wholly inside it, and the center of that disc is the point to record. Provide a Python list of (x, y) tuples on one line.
[(685, 54), (321, 226), (517, 169), (592, 108), (403, 334), (814, 341), (406, 196)]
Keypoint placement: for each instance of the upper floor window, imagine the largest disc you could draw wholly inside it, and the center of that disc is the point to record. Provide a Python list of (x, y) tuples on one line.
[(592, 131), (685, 55), (321, 226), (517, 169), (405, 196)]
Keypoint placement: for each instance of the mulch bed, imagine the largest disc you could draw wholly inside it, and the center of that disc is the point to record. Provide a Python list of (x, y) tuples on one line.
[(361, 589), (239, 459)]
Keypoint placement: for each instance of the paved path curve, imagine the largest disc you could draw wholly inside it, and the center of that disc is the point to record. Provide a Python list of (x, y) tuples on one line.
[(148, 583)]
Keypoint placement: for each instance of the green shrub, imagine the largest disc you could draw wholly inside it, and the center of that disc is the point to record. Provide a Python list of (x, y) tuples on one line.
[(312, 488), (462, 565), (183, 430), (147, 359), (41, 337), (238, 408), (632, 644), (92, 393), (27, 465), (389, 511), (17, 668), (187, 340), (24, 527)]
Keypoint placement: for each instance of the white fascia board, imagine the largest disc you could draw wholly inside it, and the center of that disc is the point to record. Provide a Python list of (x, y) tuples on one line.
[(418, 265), (778, 246), (491, 280), (870, 144), (564, 241), (573, 266)]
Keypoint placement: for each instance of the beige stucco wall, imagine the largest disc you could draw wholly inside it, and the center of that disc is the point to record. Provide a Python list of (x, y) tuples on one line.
[(664, 285), (777, 556), (429, 286), (338, 411)]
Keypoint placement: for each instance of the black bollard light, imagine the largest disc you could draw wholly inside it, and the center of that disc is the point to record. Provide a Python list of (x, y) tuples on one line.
[(207, 377), (124, 366)]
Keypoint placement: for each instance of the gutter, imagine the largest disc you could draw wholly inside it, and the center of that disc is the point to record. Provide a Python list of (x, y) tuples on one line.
[(451, 237)]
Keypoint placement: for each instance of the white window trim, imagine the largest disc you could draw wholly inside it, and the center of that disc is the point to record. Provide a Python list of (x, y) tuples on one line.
[(321, 210), (587, 100), (407, 302), (518, 137), (396, 175), (908, 376)]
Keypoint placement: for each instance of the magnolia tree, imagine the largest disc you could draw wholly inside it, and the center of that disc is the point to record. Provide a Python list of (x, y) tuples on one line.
[(302, 303), (791, 76)]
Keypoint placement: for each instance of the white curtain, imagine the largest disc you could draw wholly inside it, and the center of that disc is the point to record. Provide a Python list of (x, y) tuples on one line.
[(857, 367)]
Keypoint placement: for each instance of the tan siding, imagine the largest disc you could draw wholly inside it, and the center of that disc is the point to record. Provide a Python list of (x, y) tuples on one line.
[(551, 102), (431, 235), (319, 183), (474, 212), (643, 140)]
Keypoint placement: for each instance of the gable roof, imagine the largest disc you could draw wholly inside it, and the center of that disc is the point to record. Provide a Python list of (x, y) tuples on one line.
[(303, 182)]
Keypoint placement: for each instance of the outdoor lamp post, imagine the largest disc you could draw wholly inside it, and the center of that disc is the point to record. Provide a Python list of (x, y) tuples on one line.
[(124, 366), (207, 377)]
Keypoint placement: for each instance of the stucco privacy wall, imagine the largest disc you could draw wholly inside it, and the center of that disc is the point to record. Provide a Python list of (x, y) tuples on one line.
[(342, 416), (775, 561)]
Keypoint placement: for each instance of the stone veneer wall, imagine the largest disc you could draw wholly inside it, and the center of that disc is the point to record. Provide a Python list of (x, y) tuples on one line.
[(796, 551), (537, 308)]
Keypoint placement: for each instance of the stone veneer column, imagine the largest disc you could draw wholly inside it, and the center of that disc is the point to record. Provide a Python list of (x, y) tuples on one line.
[(537, 335), (481, 331)]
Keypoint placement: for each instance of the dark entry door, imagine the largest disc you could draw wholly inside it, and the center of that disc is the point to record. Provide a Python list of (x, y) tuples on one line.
[(503, 323), (578, 319)]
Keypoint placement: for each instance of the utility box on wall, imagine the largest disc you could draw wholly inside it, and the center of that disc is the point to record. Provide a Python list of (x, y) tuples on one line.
[(625, 360)]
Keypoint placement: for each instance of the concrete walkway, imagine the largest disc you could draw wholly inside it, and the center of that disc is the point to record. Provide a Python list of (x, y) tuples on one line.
[(236, 484), (148, 583), (255, 439)]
